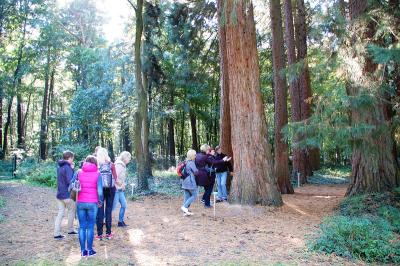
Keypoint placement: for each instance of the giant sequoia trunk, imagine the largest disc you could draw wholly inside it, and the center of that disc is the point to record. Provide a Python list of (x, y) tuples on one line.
[(281, 115), (374, 167), (141, 120), (225, 118), (254, 180)]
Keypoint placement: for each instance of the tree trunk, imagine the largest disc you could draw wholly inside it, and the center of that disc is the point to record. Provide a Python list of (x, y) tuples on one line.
[(254, 180), (374, 167), (171, 131), (281, 116), (20, 119), (195, 144), (43, 117), (294, 90), (182, 135), (1, 119), (311, 156), (126, 138), (6, 127), (225, 118), (141, 119)]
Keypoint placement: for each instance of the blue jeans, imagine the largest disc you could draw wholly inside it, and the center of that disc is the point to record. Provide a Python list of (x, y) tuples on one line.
[(189, 197), (221, 181), (87, 217), (120, 198)]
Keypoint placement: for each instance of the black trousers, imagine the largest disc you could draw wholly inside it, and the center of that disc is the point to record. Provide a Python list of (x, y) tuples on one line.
[(207, 194), (105, 211)]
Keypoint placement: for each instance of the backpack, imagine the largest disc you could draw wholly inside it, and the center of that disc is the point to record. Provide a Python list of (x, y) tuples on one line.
[(106, 175), (75, 186), (181, 170)]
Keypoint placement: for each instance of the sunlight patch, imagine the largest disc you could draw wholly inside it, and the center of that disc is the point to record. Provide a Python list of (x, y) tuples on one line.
[(135, 236)]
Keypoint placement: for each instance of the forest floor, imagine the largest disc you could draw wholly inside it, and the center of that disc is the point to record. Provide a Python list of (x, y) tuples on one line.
[(158, 233)]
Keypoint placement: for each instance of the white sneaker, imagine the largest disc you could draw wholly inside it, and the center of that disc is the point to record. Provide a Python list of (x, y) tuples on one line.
[(185, 210)]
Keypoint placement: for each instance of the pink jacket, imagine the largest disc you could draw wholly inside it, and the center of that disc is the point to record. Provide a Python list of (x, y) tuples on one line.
[(88, 178)]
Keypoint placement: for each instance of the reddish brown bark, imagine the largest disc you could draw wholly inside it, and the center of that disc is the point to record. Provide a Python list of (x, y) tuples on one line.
[(254, 180), (281, 116), (225, 118), (311, 156), (374, 167)]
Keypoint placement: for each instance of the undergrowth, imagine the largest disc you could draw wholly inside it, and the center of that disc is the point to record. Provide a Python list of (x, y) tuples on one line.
[(2, 204), (365, 227), (43, 173)]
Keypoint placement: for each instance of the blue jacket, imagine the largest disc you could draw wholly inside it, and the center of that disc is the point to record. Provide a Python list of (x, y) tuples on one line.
[(190, 181), (64, 177)]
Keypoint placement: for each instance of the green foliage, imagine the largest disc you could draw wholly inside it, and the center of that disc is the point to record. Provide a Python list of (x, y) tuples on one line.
[(44, 173), (330, 175), (2, 204), (80, 151), (366, 228), (358, 237)]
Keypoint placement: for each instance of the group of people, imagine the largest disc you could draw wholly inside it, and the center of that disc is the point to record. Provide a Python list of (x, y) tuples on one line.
[(101, 188), (202, 170)]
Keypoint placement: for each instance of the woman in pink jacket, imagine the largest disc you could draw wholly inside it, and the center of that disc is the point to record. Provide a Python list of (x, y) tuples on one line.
[(90, 197)]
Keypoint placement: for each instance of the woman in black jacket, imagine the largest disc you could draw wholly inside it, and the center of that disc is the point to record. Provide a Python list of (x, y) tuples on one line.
[(222, 172), (205, 163)]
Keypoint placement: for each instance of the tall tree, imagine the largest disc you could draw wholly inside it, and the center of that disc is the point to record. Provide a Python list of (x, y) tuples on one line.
[(43, 117), (250, 145), (374, 167), (299, 156), (311, 156), (281, 114), (225, 118), (141, 136)]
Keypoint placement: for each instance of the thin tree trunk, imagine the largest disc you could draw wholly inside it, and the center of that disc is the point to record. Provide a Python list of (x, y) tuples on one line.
[(1, 119), (6, 127), (281, 116), (43, 117), (127, 143), (171, 131), (254, 180), (193, 126), (374, 168), (20, 119), (182, 135)]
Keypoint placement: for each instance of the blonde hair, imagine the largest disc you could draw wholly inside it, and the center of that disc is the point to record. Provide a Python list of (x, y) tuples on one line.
[(125, 156), (191, 155), (102, 156), (205, 148)]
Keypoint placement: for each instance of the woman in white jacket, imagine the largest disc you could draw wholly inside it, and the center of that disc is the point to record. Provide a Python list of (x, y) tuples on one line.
[(120, 166)]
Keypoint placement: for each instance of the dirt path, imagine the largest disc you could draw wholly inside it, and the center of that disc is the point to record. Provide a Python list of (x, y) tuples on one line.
[(158, 234)]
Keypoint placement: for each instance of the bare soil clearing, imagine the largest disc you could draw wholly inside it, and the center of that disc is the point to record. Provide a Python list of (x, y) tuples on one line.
[(158, 233)]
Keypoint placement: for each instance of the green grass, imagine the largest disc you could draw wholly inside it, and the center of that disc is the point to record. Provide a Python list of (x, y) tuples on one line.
[(2, 204), (6, 168), (365, 227), (331, 175), (44, 173)]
